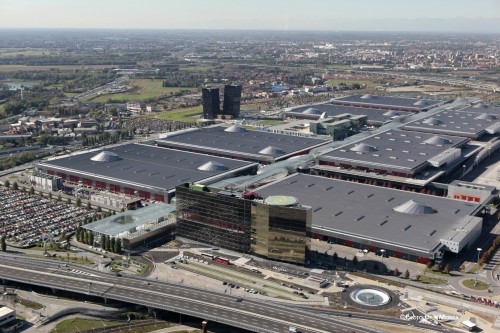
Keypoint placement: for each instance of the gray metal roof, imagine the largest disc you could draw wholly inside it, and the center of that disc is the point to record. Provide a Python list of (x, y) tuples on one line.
[(395, 148), (483, 108), (130, 219), (149, 165), (216, 140), (369, 211), (463, 123), (375, 116), (414, 103)]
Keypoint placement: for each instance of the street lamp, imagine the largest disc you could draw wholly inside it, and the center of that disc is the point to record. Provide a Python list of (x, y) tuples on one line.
[(463, 172), (477, 270), (383, 254)]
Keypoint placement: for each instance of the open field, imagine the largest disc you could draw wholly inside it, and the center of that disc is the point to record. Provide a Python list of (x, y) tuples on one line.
[(269, 122), (78, 325), (180, 115), (143, 89), (349, 82), (8, 53), (15, 68)]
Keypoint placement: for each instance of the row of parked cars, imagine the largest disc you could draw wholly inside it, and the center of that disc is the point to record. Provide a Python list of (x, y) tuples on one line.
[(27, 219)]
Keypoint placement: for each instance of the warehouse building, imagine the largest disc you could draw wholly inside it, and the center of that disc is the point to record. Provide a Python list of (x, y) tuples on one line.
[(375, 117), (143, 171), (404, 224), (394, 157), (388, 103), (462, 123), (236, 142)]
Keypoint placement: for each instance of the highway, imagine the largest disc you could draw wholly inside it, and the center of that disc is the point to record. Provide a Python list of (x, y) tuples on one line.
[(251, 315)]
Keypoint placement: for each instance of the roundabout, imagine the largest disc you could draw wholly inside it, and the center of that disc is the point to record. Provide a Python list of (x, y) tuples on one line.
[(369, 297)]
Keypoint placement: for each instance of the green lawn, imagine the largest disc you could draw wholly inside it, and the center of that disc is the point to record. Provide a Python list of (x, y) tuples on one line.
[(430, 280), (351, 82), (78, 325), (143, 89), (29, 304), (471, 283), (181, 114), (338, 66), (269, 122)]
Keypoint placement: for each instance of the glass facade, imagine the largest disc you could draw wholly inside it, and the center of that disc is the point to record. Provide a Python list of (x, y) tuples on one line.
[(281, 233), (209, 217), (231, 222)]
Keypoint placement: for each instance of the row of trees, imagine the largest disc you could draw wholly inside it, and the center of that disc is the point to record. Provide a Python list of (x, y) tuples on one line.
[(111, 244), (3, 244), (84, 236)]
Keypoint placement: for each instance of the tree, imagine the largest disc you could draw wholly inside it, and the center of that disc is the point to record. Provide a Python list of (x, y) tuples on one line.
[(335, 256), (6, 183), (88, 205), (355, 260), (3, 244), (99, 209), (112, 244), (15, 186), (78, 202), (103, 242), (118, 246), (396, 271), (69, 200), (407, 274), (23, 188), (429, 264), (58, 196), (32, 190), (50, 195), (447, 269)]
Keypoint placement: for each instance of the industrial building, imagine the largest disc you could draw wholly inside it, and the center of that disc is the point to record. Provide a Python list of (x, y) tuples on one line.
[(466, 191), (388, 103), (338, 127), (239, 143), (46, 182), (462, 123), (375, 117), (232, 100), (143, 171), (394, 157), (211, 102), (135, 227), (404, 224), (7, 315), (276, 228)]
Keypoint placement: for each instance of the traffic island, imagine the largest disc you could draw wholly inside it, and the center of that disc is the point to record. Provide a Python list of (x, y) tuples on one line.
[(474, 284)]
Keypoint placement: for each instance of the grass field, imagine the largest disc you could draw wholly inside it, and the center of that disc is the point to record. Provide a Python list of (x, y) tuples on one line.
[(350, 82), (145, 89), (78, 325), (7, 53), (430, 280), (471, 283), (180, 115), (15, 68), (269, 122)]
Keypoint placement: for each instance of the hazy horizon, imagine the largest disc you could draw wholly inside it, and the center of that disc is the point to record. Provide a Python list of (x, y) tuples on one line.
[(458, 16)]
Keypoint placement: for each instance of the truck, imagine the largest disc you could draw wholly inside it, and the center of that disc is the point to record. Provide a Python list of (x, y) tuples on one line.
[(293, 329)]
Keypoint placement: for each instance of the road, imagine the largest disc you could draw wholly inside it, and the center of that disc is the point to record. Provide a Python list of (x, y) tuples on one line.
[(250, 315)]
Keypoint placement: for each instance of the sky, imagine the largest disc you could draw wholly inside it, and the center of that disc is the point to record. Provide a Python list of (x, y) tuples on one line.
[(336, 15)]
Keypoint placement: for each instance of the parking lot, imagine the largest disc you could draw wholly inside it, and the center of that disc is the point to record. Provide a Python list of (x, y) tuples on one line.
[(26, 219)]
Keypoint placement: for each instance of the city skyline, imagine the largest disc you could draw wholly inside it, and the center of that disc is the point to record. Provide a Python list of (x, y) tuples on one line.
[(362, 15)]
